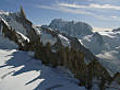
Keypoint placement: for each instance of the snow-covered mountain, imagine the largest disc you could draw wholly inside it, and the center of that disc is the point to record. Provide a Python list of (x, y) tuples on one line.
[(61, 44), (104, 45), (94, 42), (75, 29)]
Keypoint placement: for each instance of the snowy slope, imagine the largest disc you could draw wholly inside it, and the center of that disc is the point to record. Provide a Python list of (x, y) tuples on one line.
[(94, 42), (46, 37), (106, 46), (19, 71)]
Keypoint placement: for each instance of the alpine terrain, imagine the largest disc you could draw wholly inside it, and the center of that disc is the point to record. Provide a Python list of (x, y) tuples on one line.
[(64, 55)]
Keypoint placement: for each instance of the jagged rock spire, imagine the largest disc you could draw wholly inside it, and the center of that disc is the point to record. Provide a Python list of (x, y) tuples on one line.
[(22, 12)]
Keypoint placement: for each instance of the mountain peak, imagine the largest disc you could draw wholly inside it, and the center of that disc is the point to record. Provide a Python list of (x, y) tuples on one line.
[(71, 28), (22, 12)]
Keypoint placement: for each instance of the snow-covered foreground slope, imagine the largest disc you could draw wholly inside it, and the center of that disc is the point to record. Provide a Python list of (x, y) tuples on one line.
[(20, 71)]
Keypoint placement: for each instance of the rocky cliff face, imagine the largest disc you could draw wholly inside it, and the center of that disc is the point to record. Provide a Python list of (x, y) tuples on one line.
[(19, 23), (11, 34)]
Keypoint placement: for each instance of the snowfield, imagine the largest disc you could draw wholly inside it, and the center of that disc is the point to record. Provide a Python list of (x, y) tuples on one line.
[(19, 71)]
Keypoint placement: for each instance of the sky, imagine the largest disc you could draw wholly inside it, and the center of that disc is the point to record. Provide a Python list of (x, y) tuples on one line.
[(100, 14)]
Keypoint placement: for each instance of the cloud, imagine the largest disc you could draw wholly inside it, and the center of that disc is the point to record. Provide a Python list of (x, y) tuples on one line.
[(72, 5), (115, 17), (64, 9), (100, 29), (90, 6), (105, 6), (107, 18), (69, 8)]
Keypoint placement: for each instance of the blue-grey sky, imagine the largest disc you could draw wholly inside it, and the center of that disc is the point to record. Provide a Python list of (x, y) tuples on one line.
[(100, 14)]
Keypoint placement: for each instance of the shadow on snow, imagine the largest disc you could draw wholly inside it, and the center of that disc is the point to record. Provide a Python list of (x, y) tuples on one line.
[(52, 77)]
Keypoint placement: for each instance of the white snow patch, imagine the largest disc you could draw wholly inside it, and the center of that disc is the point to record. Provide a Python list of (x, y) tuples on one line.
[(45, 38), (64, 40), (38, 32), (81, 42), (3, 12), (5, 22), (23, 36)]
